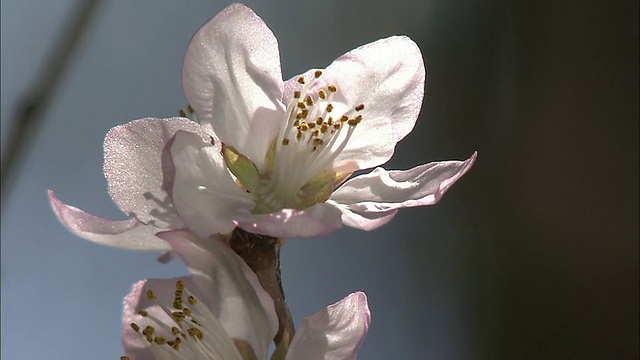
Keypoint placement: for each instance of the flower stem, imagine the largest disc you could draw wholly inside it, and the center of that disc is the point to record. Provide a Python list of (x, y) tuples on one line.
[(262, 254)]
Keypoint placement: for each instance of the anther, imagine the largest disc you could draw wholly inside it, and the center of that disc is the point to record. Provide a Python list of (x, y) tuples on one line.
[(319, 120), (182, 113), (301, 105), (180, 285), (143, 313), (192, 300), (285, 141), (135, 327), (330, 121), (322, 94), (190, 109), (160, 340), (301, 80), (296, 94), (150, 294), (186, 312), (317, 74), (344, 118), (324, 128), (308, 100), (329, 108), (332, 88), (359, 107), (177, 316)]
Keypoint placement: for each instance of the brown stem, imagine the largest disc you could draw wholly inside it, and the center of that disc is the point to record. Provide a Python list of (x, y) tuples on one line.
[(262, 254)]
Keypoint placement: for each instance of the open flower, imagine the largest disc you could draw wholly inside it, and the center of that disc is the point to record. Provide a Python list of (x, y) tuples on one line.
[(220, 311), (269, 156)]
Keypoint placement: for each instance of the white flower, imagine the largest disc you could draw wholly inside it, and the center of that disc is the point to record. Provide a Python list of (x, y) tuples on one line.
[(290, 145), (221, 312)]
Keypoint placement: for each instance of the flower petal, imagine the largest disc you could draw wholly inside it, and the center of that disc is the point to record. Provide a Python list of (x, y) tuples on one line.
[(387, 76), (229, 288), (382, 190), (364, 220), (333, 333), (135, 343), (127, 234), (232, 78), (204, 194), (132, 166), (316, 220)]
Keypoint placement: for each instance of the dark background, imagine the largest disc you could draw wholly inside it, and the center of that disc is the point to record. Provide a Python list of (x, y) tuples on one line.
[(532, 255)]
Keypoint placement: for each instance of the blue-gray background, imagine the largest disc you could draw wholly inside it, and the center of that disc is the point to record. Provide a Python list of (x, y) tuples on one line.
[(533, 254)]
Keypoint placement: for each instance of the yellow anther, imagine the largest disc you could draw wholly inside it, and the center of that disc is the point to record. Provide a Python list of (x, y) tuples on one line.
[(175, 343), (301, 80), (182, 113), (150, 294), (160, 340), (180, 285), (186, 312), (135, 327), (304, 113), (177, 294), (311, 125), (337, 125), (322, 94), (330, 121), (296, 94), (332, 88), (319, 120), (316, 132), (301, 105), (177, 316), (285, 141), (352, 122), (296, 123), (149, 330), (324, 128), (177, 303), (308, 100), (358, 119), (329, 108), (190, 109), (303, 127), (195, 333), (359, 107), (192, 300), (344, 118), (175, 330), (143, 313), (317, 142), (317, 74)]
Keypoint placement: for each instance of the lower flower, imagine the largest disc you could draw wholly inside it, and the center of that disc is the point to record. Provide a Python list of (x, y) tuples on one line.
[(220, 311)]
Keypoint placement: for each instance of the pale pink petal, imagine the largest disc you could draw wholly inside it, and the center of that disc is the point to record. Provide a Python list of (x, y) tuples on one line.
[(232, 78), (127, 234), (364, 220), (333, 333), (204, 194), (134, 342), (132, 166), (381, 191), (317, 220), (387, 76), (230, 289)]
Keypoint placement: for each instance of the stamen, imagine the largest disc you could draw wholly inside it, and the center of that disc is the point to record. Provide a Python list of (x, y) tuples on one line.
[(359, 107), (317, 74)]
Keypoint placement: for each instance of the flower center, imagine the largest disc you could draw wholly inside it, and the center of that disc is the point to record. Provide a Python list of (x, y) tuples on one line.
[(300, 165), (186, 330)]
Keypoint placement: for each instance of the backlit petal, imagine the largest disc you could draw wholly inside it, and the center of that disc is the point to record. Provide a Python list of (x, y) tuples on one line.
[(204, 194), (229, 288), (382, 190), (333, 333), (127, 234), (132, 166), (387, 77), (232, 78), (316, 220)]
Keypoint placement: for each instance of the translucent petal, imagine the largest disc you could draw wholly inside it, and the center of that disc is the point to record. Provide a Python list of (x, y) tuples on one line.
[(232, 78)]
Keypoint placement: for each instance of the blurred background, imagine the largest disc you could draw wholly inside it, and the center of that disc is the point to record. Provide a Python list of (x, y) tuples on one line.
[(532, 255)]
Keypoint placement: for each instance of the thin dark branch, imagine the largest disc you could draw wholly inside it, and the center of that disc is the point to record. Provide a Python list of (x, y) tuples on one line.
[(31, 108)]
